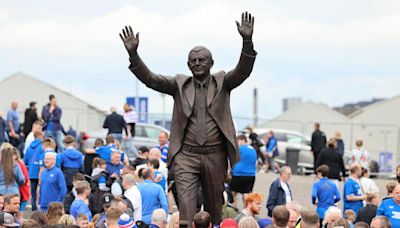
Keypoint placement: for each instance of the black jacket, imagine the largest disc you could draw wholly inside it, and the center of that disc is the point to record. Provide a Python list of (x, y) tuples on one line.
[(366, 214), (115, 123), (318, 141), (276, 196), (69, 199), (30, 118), (331, 158)]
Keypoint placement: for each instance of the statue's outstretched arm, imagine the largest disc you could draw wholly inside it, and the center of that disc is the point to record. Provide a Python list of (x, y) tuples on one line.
[(163, 84)]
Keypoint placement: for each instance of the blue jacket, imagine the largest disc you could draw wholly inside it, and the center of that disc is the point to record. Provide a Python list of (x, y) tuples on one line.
[(19, 179), (153, 197), (276, 196), (327, 194), (52, 120), (71, 158), (111, 168), (272, 146), (33, 158), (247, 163), (52, 187)]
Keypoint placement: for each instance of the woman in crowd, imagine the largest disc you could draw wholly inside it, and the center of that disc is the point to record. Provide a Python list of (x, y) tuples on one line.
[(24, 189), (330, 157), (11, 175), (174, 221), (54, 213)]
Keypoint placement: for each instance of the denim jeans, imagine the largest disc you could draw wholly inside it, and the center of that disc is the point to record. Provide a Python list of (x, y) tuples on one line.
[(58, 137), (117, 136), (34, 184)]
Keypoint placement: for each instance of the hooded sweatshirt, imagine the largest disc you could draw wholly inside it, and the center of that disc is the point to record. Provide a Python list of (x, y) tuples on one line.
[(34, 158), (71, 158)]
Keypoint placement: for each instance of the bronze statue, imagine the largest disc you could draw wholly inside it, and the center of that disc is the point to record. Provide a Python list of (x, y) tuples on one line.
[(202, 132)]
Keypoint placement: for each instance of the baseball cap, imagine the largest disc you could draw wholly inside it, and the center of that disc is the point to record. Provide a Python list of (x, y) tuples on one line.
[(125, 221), (228, 223), (107, 198), (7, 219)]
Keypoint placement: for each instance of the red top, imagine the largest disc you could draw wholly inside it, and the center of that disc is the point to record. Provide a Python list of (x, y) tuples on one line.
[(25, 188)]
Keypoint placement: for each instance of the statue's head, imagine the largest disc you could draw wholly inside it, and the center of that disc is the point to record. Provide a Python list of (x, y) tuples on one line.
[(200, 62)]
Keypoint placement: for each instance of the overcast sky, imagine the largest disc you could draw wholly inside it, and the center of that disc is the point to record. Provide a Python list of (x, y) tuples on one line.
[(332, 52)]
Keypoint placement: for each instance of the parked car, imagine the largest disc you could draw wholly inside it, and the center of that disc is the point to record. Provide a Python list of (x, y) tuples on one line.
[(288, 139), (145, 135)]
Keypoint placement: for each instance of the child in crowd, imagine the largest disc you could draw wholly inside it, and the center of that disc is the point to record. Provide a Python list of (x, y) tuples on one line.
[(82, 221)]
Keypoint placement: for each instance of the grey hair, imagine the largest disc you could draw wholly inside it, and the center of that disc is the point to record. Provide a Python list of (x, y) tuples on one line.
[(158, 215)]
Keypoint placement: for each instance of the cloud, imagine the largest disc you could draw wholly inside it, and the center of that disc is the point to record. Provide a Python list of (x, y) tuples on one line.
[(330, 52)]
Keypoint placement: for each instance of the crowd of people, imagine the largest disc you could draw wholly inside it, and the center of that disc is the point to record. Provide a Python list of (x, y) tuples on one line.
[(101, 187)]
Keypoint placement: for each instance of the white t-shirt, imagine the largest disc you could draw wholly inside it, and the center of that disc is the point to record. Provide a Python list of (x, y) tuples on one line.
[(131, 117), (133, 194), (361, 156), (287, 191), (29, 139), (368, 185)]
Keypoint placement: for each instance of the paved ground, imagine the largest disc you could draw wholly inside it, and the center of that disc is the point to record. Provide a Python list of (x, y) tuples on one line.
[(301, 188)]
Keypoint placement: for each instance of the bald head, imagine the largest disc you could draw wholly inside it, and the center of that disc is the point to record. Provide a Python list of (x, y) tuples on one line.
[(154, 153)]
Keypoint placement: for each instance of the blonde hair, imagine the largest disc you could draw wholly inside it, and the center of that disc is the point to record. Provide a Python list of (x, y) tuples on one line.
[(248, 222), (174, 218), (67, 220)]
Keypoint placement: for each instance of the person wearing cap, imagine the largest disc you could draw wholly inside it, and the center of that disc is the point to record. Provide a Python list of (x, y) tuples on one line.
[(7, 220), (125, 221), (228, 223), (30, 117), (52, 183), (71, 161), (80, 204)]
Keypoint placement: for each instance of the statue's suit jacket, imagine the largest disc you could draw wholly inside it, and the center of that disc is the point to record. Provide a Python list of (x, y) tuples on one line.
[(181, 88)]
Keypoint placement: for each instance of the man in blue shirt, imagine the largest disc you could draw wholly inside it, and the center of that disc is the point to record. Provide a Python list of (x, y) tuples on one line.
[(163, 145), (391, 208), (324, 192), (34, 160), (52, 183), (153, 196), (13, 124), (71, 161), (80, 204), (353, 195), (244, 172)]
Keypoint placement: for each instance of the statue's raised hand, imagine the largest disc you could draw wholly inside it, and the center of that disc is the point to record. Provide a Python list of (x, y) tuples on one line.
[(131, 41), (245, 28)]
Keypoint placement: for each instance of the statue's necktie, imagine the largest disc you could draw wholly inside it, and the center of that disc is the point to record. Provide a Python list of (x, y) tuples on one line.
[(201, 133)]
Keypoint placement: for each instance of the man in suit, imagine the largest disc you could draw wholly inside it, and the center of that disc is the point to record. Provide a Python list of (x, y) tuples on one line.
[(202, 133)]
